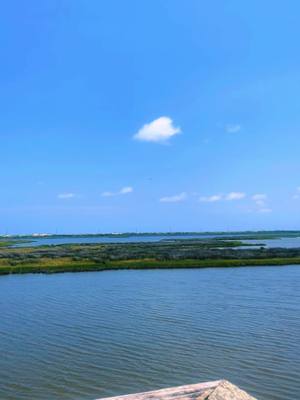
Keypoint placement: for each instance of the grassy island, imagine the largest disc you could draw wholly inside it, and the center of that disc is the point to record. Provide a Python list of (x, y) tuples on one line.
[(179, 253)]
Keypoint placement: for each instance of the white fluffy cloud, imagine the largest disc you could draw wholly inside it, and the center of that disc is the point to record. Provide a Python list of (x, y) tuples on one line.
[(235, 196), (233, 128), (159, 131), (122, 191), (66, 195), (174, 199), (211, 199)]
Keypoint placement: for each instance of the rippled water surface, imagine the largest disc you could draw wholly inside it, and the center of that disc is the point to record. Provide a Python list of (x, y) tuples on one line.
[(90, 335)]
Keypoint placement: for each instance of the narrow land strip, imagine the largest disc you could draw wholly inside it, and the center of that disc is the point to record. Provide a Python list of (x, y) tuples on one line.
[(199, 253)]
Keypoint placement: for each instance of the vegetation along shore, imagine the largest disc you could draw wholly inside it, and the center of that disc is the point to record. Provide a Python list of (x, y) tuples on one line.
[(187, 253)]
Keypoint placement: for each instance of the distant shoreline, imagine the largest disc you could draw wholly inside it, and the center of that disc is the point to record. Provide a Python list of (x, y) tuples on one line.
[(267, 234)]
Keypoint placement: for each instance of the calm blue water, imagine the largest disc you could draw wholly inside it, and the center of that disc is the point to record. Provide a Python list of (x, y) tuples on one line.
[(287, 243), (88, 335)]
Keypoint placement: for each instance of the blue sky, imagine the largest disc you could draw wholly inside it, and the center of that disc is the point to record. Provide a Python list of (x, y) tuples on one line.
[(149, 115)]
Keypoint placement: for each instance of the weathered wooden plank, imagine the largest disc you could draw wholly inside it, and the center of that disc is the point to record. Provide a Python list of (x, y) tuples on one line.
[(216, 390), (227, 391), (174, 393)]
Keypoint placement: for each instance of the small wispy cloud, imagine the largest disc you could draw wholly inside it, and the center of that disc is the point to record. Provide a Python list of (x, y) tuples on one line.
[(233, 128), (108, 194), (122, 191), (174, 199), (265, 210), (235, 196), (159, 131), (126, 189), (211, 199), (66, 195), (260, 199), (297, 195), (219, 197)]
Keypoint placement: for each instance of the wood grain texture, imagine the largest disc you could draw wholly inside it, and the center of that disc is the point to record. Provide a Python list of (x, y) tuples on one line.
[(227, 391), (216, 390), (186, 392)]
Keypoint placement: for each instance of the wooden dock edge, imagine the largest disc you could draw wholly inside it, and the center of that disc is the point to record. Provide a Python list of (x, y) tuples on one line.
[(217, 390)]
